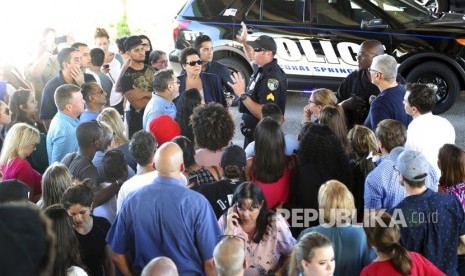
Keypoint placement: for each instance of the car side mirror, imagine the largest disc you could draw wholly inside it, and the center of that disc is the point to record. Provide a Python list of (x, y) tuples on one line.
[(372, 24)]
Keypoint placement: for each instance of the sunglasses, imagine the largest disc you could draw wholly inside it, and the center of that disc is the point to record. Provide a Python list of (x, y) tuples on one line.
[(7, 111), (193, 63)]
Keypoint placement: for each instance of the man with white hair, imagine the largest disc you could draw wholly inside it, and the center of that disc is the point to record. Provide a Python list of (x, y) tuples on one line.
[(160, 266), (229, 256), (389, 103)]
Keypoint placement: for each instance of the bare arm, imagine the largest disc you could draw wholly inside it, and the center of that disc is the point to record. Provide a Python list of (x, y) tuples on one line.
[(125, 67), (209, 268), (243, 39), (39, 65), (108, 263), (248, 169), (238, 85), (121, 263)]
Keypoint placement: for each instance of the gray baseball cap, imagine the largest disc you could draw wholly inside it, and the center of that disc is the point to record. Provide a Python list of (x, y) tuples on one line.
[(411, 164)]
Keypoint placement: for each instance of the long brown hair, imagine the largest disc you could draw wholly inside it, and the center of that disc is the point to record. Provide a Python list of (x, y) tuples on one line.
[(451, 161), (385, 238), (305, 250)]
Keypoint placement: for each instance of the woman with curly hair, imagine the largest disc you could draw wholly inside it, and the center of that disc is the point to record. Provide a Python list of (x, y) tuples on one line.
[(68, 258), (214, 129), (186, 104), (24, 108), (270, 168), (321, 158)]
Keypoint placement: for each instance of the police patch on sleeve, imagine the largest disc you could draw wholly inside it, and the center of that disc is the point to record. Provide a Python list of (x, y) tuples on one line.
[(273, 84)]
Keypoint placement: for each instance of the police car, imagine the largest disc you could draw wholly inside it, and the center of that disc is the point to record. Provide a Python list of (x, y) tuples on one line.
[(318, 40)]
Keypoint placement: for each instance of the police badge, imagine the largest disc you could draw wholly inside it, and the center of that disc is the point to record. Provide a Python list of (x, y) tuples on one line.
[(273, 84)]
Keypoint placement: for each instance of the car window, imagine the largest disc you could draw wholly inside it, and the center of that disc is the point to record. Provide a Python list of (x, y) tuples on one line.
[(336, 12), (205, 8), (278, 10), (403, 11)]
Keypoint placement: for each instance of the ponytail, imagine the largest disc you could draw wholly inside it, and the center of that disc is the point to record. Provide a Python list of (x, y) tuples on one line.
[(401, 259)]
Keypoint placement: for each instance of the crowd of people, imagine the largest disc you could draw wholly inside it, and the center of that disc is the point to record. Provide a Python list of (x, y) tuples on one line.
[(113, 165)]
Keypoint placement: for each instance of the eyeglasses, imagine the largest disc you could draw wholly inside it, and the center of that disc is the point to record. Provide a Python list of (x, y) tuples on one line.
[(373, 70), (7, 111), (364, 54), (193, 63), (257, 50), (163, 62), (220, 238), (176, 81), (99, 92)]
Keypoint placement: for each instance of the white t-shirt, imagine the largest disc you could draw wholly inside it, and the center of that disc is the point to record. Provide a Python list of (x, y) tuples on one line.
[(76, 271), (427, 133)]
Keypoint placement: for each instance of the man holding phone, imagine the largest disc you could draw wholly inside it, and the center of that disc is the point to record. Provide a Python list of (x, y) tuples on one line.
[(97, 57)]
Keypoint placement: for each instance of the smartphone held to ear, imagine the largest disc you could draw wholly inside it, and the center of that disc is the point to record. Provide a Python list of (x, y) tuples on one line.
[(238, 218), (106, 66)]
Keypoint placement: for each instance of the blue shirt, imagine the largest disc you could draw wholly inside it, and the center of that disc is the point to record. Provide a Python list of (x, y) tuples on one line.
[(166, 219), (382, 185), (155, 107), (291, 146), (433, 224), (87, 116), (61, 137), (388, 105), (351, 250)]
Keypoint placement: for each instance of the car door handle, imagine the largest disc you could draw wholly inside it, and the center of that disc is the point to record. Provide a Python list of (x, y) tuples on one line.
[(325, 35)]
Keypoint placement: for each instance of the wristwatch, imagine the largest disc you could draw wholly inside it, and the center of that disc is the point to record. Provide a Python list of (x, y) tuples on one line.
[(244, 96)]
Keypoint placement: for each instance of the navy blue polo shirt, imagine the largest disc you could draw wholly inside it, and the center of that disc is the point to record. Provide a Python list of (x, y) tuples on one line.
[(434, 223)]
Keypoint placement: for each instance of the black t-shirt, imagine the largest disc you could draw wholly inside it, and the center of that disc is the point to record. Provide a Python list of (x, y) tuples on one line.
[(142, 79), (268, 84), (80, 166), (92, 246), (220, 194)]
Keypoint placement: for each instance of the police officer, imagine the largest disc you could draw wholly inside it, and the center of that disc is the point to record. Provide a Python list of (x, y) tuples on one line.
[(268, 83)]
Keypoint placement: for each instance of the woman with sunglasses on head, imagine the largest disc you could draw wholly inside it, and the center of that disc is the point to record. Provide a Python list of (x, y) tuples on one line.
[(5, 119), (313, 255), (25, 108), (208, 85), (19, 143), (269, 241)]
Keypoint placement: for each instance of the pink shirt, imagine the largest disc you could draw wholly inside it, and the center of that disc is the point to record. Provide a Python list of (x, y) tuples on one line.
[(21, 169), (265, 256), (207, 158)]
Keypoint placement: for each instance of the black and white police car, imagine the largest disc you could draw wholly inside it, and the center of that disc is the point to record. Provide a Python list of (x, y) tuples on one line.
[(318, 40)]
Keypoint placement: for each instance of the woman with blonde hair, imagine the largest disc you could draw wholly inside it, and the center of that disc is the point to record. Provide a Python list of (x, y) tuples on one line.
[(318, 99), (383, 234), (111, 116), (364, 147), (337, 212), (19, 143), (55, 180), (313, 255)]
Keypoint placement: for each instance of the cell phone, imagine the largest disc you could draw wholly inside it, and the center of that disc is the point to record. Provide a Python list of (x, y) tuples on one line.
[(238, 216), (106, 66), (61, 39)]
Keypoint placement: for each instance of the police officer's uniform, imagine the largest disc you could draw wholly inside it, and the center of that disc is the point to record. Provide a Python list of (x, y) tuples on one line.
[(268, 84)]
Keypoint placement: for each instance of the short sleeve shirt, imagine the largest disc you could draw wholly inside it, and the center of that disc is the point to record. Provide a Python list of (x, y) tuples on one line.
[(268, 84)]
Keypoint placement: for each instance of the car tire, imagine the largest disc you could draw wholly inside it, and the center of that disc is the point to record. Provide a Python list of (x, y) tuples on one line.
[(442, 6), (234, 64), (441, 78)]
